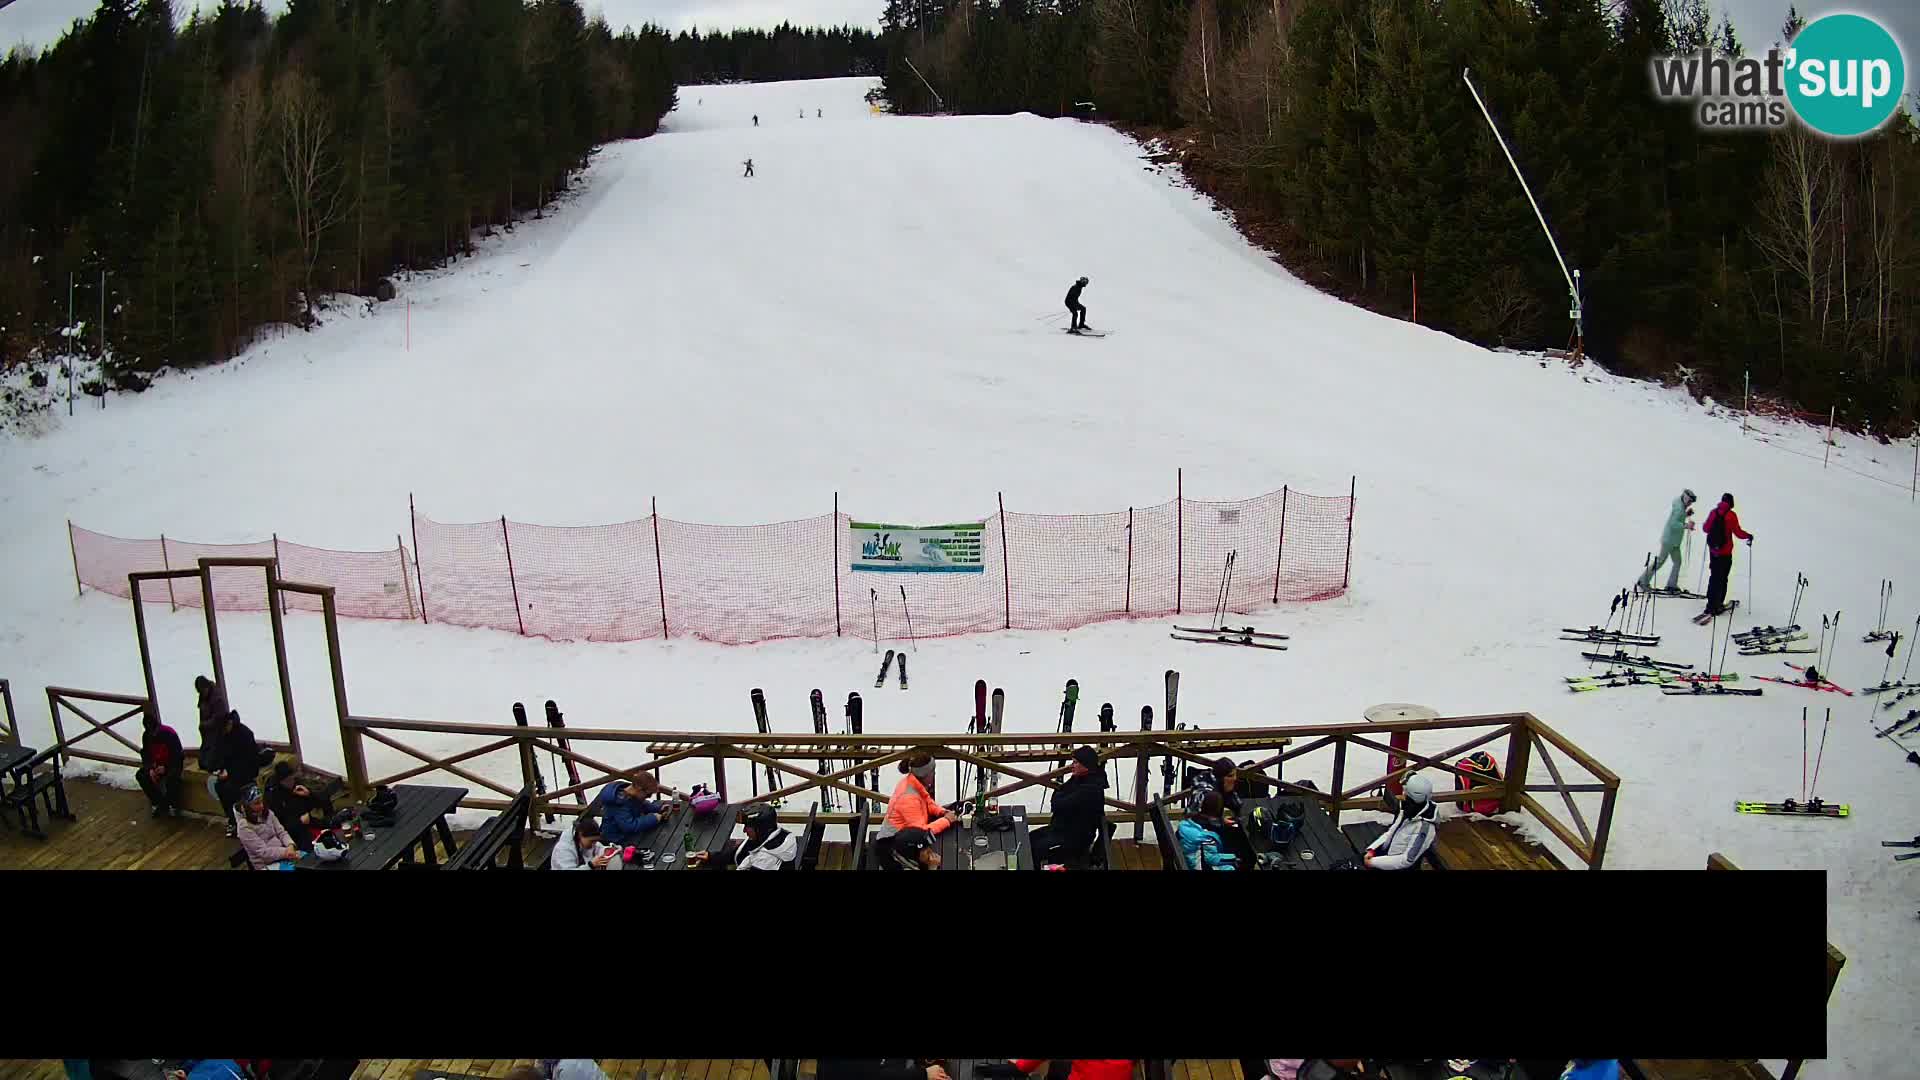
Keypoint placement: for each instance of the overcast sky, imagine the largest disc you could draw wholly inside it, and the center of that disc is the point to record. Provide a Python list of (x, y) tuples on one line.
[(40, 22)]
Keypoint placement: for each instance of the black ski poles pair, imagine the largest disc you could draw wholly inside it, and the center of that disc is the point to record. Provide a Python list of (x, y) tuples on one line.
[(873, 604)]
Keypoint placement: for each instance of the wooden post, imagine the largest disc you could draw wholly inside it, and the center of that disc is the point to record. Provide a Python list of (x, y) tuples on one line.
[(1282, 553), (400, 549), (166, 564), (146, 651), (1832, 410), (1179, 534), (1519, 754), (213, 630), (511, 580), (1602, 827), (74, 553), (720, 774), (1129, 607), (274, 599), (1346, 572), (1339, 777), (276, 569), (1139, 791), (833, 556), (659, 575), (1006, 567), (352, 749), (59, 731), (413, 518)]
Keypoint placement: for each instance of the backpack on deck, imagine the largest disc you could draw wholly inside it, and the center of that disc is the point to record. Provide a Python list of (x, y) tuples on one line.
[(1487, 773)]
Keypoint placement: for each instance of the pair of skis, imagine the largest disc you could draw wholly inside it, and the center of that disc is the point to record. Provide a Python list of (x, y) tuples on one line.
[(557, 723), (1680, 594), (1594, 635), (1913, 843), (1620, 656), (980, 724), (1222, 634), (1704, 618), (881, 679), (1898, 727), (1810, 804), (1810, 679)]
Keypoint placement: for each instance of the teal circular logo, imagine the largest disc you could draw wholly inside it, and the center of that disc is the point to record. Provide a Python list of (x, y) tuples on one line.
[(1846, 75)]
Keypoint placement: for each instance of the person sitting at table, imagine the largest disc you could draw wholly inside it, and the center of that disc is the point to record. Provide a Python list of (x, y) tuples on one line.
[(1412, 831), (1199, 836), (877, 1069), (581, 847), (1079, 812), (163, 764), (264, 839), (560, 1069), (239, 760), (911, 849), (768, 846), (911, 806), (627, 815), (1223, 778), (304, 814), (1098, 1069)]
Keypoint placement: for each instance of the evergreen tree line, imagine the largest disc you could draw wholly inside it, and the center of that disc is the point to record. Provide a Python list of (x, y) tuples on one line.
[(1703, 253), (226, 173), (785, 52)]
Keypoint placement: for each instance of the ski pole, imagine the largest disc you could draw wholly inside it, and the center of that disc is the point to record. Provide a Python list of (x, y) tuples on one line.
[(909, 614), (1911, 642), (873, 602), (1822, 752), (1749, 576), (1803, 753)]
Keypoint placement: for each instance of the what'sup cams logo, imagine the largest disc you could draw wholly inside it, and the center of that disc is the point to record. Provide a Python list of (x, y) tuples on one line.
[(1842, 75)]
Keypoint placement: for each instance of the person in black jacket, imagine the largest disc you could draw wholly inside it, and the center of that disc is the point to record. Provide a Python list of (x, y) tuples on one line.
[(163, 765), (300, 810), (213, 718), (1078, 309), (239, 761), (1079, 812), (877, 1069)]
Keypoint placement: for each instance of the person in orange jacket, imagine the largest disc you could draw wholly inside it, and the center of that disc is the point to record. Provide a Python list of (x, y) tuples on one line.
[(1082, 1069), (912, 807)]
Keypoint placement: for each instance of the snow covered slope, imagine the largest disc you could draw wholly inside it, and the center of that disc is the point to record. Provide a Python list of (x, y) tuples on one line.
[(742, 348)]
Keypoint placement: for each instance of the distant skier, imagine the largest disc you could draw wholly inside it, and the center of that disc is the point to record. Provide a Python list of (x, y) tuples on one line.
[(803, 114), (1078, 309), (1721, 526), (1679, 523), (749, 171), (756, 119), (817, 114)]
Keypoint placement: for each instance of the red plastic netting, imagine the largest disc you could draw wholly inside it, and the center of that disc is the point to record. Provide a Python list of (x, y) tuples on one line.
[(744, 583)]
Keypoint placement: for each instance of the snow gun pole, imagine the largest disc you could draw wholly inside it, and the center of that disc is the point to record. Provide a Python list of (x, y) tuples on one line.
[(1572, 276)]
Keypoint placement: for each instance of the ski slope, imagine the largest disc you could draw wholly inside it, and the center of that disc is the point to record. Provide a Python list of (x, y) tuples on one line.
[(743, 348)]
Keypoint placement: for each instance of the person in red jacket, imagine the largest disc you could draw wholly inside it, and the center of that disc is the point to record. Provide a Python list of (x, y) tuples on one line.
[(1082, 1069), (1721, 526), (163, 765)]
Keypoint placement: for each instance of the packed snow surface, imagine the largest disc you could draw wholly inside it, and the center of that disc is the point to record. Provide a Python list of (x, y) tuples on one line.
[(868, 314)]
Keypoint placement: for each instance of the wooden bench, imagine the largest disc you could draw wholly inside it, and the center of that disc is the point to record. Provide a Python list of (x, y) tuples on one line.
[(811, 835), (504, 832), (32, 783)]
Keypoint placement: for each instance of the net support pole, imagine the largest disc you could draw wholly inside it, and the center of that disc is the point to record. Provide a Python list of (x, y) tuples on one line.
[(400, 549), (1129, 602), (167, 564), (1280, 556), (512, 581), (1346, 572), (659, 575), (1179, 535), (73, 552), (1006, 568), (833, 559), (419, 579)]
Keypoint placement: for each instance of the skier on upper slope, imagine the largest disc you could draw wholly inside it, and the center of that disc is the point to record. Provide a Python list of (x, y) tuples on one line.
[(1078, 309), (1721, 526), (1679, 521)]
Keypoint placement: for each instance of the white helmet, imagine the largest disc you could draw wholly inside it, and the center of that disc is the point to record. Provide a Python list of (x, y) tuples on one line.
[(1419, 789), (328, 848)]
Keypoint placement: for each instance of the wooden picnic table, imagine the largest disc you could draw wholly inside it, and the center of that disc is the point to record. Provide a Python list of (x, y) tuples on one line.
[(669, 844), (420, 813), (1317, 846), (960, 847)]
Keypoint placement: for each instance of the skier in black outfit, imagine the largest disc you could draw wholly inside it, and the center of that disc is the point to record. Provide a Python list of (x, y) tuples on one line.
[(749, 164), (1078, 309)]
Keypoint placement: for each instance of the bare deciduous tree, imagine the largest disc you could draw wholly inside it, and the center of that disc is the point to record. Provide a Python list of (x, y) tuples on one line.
[(1796, 208), (317, 188)]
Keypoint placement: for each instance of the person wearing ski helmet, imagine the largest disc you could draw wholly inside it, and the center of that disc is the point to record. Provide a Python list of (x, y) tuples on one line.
[(1679, 523), (767, 847), (1411, 834), (261, 835), (1721, 526), (910, 849), (1199, 837), (1076, 308), (912, 805), (1079, 812)]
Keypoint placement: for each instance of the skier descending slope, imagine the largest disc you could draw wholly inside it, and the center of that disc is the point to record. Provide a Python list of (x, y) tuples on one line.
[(1679, 520), (1721, 526), (1078, 309)]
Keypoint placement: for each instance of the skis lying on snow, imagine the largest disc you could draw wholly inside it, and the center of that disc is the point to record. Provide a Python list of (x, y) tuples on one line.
[(1912, 717), (1611, 682), (1619, 656), (1681, 593), (1771, 649), (1894, 685), (1230, 638), (1756, 632), (1231, 631), (1915, 842), (1909, 855), (1810, 808), (1597, 636), (1810, 679), (1703, 618), (1688, 688), (1880, 631), (1900, 697), (884, 665)]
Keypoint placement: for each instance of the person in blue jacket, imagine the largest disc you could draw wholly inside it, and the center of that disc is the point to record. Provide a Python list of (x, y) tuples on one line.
[(1679, 523), (1200, 838), (626, 814), (1592, 1069)]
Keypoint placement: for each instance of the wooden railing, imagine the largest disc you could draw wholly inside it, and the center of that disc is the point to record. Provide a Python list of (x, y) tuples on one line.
[(851, 762)]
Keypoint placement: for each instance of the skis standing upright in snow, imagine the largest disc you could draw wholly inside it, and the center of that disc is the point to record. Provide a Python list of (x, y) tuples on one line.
[(817, 702)]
